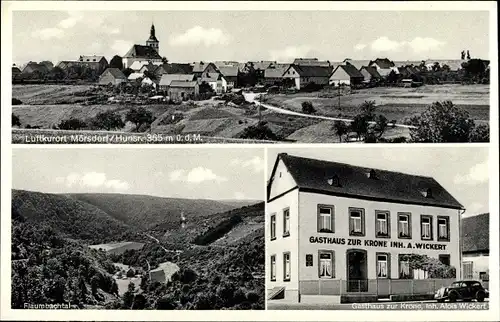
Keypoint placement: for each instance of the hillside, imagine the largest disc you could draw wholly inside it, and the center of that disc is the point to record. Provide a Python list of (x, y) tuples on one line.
[(69, 217), (49, 269), (145, 212)]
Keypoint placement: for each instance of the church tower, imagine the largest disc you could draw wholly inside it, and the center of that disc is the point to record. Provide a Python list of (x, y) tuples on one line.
[(152, 41)]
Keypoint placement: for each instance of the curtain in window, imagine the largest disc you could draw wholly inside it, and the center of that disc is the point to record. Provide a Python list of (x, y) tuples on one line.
[(325, 269), (403, 228), (382, 268), (426, 230), (382, 226), (443, 232), (404, 269), (326, 221)]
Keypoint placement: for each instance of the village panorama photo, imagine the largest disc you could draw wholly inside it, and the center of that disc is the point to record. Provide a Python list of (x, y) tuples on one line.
[(369, 228), (240, 77), (89, 233)]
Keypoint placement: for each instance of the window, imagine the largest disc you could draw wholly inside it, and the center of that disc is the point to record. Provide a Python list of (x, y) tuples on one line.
[(404, 225), (286, 222), (273, 226), (356, 222), (483, 276), (309, 260), (382, 224), (445, 259), (404, 267), (326, 268), (286, 267), (443, 228), (426, 227), (273, 268), (325, 219), (468, 270), (383, 265)]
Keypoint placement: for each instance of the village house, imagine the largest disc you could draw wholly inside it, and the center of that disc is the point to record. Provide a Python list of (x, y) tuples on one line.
[(384, 66), (167, 79), (112, 76), (149, 52), (101, 61), (15, 71), (304, 75), (346, 75), (345, 232), (173, 68), (181, 90), (231, 74), (215, 80), (356, 63), (202, 68), (33, 67), (370, 74), (163, 273), (311, 62), (476, 247), (274, 75)]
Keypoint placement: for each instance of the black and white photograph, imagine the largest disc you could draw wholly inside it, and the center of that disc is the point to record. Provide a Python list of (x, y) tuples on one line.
[(249, 77), (369, 227), (156, 229)]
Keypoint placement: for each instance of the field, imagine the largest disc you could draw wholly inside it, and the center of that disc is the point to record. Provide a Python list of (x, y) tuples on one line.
[(213, 121), (394, 103)]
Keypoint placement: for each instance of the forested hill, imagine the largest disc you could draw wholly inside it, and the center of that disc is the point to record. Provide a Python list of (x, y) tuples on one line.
[(71, 218), (145, 212)]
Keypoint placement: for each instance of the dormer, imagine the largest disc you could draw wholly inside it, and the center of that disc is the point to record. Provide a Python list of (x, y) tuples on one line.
[(427, 193), (372, 174), (334, 181)]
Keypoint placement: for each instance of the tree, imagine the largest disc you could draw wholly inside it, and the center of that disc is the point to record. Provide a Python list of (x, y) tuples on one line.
[(16, 101), (360, 126), (15, 120), (164, 60), (131, 272), (108, 120), (139, 117), (308, 108), (468, 54), (368, 108), (72, 124), (128, 296), (57, 73), (205, 88), (127, 71), (341, 129), (116, 62), (392, 77), (481, 133), (259, 132), (380, 126), (462, 55), (441, 122)]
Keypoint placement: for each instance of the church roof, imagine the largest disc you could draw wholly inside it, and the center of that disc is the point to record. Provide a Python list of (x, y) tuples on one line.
[(140, 51)]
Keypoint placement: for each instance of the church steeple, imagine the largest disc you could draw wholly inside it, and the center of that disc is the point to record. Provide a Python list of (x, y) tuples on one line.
[(153, 41)]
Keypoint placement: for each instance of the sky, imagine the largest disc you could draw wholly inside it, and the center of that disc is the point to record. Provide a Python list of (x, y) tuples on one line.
[(195, 173), (188, 36), (462, 171)]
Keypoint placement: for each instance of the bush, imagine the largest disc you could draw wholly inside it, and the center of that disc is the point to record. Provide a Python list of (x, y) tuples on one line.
[(131, 272), (15, 120), (72, 124), (16, 101), (308, 108), (480, 133), (259, 132)]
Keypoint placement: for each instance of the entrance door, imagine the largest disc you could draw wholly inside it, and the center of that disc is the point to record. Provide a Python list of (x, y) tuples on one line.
[(357, 271)]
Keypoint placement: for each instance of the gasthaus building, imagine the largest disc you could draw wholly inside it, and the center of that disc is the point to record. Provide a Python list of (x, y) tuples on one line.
[(343, 233)]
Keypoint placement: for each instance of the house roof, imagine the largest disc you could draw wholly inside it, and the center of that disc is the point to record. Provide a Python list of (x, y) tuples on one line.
[(389, 186), (402, 63), (372, 71), (167, 79), (275, 72), (222, 63), (180, 83), (137, 65), (210, 77), (350, 70), (177, 68), (140, 51), (311, 62), (311, 71), (229, 71), (357, 63), (135, 76), (199, 67), (35, 66), (91, 58), (383, 63), (454, 64), (115, 72), (476, 233), (15, 70), (263, 64)]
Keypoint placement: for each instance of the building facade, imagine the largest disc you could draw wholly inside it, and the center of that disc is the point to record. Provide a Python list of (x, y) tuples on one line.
[(144, 53), (476, 248), (336, 229)]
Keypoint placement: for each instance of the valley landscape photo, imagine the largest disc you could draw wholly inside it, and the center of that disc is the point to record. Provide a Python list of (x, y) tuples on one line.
[(137, 229)]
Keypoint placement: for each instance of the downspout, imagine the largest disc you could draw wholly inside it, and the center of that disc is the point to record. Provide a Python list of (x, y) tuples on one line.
[(460, 242)]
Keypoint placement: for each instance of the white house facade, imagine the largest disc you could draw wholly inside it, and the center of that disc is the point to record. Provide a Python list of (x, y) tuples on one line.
[(335, 230), (476, 248)]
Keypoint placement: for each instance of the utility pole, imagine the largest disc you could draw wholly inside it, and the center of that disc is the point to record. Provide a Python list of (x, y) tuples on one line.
[(259, 107), (339, 96)]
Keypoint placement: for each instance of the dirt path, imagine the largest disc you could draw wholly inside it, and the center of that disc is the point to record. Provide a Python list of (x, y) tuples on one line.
[(251, 98)]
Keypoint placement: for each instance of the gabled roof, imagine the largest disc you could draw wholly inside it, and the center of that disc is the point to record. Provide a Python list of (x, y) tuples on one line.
[(263, 64), (167, 79), (372, 71), (350, 70), (311, 71), (134, 76), (115, 72), (312, 175), (222, 63), (454, 64), (35, 66), (137, 65), (229, 71), (199, 67), (176, 68), (180, 83), (357, 63), (91, 58), (15, 70), (311, 62), (210, 77), (383, 63), (140, 51), (476, 233), (275, 72)]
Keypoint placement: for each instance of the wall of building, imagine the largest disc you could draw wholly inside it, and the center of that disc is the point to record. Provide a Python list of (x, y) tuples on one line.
[(308, 228), (480, 263), (107, 78)]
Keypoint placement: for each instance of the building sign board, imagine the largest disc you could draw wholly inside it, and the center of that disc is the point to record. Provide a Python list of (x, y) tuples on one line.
[(375, 243)]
